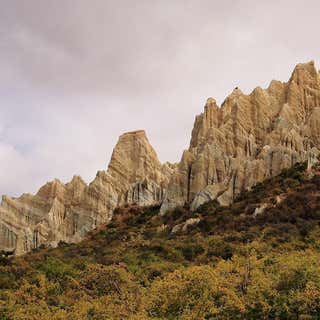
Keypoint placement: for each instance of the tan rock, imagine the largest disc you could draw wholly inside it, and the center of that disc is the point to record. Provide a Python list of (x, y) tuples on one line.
[(183, 227), (66, 212), (246, 140), (261, 209), (138, 174), (251, 137)]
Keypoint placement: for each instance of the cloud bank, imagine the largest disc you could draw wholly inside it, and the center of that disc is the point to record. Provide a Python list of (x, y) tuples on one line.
[(76, 74)]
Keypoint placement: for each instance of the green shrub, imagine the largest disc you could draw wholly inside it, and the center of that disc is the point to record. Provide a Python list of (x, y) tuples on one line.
[(191, 250), (56, 270)]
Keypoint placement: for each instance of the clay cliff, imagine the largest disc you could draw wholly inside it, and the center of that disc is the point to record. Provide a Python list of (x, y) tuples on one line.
[(248, 139), (66, 212), (233, 147)]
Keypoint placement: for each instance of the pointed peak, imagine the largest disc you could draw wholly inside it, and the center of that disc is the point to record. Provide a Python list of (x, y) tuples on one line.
[(51, 188), (257, 89), (131, 136), (304, 73), (310, 66), (76, 179), (275, 84), (211, 104), (52, 184), (134, 133), (236, 91), (129, 139), (211, 101), (134, 159), (56, 181)]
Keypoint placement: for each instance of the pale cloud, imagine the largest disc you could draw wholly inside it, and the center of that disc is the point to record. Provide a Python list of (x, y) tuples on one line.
[(75, 74)]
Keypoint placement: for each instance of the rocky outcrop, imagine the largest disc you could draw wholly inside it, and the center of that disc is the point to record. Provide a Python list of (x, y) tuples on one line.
[(250, 138), (233, 147), (138, 175), (183, 227), (66, 212)]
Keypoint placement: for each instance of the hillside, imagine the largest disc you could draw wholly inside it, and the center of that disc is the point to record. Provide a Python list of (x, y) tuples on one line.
[(249, 138), (255, 259)]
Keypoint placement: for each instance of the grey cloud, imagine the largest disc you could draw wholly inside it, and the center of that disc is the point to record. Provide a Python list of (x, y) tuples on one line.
[(75, 74)]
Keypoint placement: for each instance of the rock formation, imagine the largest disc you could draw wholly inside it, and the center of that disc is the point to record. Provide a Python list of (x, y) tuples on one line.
[(66, 212), (248, 139), (138, 175)]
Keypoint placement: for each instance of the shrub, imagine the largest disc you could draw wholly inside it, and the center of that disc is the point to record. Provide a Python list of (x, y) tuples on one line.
[(191, 293), (219, 248), (191, 250), (56, 270), (115, 282)]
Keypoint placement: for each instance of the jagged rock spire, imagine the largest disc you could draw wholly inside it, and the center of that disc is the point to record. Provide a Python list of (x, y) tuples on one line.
[(66, 212), (247, 139)]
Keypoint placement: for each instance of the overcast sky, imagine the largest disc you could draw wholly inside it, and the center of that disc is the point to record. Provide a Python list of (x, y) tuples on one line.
[(74, 74)]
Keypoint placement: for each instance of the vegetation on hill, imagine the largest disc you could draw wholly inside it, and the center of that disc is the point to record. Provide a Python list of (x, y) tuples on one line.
[(257, 259)]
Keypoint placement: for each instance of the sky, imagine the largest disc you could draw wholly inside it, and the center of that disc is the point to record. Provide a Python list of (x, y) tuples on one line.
[(75, 74)]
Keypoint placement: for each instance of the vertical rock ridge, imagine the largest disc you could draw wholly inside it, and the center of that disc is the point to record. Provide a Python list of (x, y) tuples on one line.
[(249, 138), (66, 212)]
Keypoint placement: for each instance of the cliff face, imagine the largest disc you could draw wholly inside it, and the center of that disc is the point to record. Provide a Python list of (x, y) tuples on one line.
[(66, 212), (248, 139), (138, 175)]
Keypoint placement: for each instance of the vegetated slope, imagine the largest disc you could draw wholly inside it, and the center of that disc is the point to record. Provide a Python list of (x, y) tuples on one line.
[(257, 259), (233, 147)]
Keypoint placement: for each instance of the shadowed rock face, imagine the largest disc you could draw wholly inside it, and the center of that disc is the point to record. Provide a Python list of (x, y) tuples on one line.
[(249, 138), (66, 212)]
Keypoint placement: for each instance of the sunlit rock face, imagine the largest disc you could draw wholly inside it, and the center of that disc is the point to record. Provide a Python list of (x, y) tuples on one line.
[(246, 140), (138, 175), (66, 212), (250, 138)]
